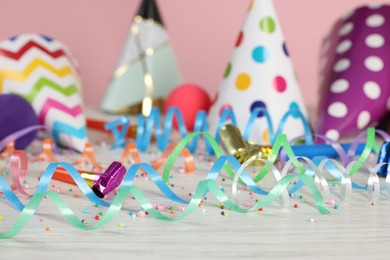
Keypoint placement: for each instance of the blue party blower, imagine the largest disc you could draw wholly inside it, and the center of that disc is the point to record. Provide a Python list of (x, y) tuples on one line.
[(384, 157), (233, 143), (316, 150)]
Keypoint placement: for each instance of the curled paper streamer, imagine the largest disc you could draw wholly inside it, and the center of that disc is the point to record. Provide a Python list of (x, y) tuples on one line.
[(207, 185), (131, 151), (124, 122), (18, 160), (126, 188), (153, 123), (343, 173)]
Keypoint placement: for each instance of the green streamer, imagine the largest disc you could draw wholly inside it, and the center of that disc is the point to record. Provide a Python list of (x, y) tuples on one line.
[(180, 146), (281, 140), (371, 145)]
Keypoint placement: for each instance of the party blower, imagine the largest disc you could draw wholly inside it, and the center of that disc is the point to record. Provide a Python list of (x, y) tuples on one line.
[(101, 184), (234, 144)]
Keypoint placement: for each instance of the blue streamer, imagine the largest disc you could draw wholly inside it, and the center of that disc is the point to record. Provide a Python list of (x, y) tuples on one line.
[(253, 117), (44, 184), (120, 137), (156, 178), (295, 113), (146, 126)]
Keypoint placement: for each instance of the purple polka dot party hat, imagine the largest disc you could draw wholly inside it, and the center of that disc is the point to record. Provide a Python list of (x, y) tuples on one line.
[(260, 74), (355, 72)]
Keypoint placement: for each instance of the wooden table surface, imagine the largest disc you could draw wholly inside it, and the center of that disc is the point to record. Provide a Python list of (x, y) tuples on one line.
[(356, 230)]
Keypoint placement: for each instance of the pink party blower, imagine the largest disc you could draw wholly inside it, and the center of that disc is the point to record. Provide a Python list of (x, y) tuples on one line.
[(101, 184), (109, 180)]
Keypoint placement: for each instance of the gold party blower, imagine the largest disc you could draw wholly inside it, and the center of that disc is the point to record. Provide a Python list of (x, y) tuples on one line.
[(233, 143)]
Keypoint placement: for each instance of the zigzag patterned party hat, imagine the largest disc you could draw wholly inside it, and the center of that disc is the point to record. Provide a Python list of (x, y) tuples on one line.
[(146, 71), (43, 71), (260, 74)]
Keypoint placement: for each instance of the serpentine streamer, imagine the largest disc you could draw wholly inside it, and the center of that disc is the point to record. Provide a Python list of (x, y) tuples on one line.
[(310, 176), (208, 185)]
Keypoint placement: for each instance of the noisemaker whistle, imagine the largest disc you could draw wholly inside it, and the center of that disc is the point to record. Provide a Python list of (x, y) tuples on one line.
[(100, 183), (109, 180), (233, 143), (90, 178)]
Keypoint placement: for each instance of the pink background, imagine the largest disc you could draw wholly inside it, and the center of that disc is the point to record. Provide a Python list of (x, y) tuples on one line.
[(203, 33)]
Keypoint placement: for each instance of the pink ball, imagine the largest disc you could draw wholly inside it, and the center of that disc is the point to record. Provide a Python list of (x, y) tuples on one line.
[(189, 98)]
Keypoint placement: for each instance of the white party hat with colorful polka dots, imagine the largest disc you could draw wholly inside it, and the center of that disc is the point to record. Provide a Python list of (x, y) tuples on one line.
[(260, 74)]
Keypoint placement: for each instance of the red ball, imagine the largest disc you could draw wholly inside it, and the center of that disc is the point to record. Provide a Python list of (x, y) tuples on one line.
[(189, 98)]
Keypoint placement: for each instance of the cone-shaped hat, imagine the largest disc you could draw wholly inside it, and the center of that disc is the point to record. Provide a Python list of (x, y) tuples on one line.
[(260, 74), (147, 65)]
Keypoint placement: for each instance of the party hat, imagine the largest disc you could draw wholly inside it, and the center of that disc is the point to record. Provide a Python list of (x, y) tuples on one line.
[(260, 75), (146, 71), (355, 87), (43, 71)]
